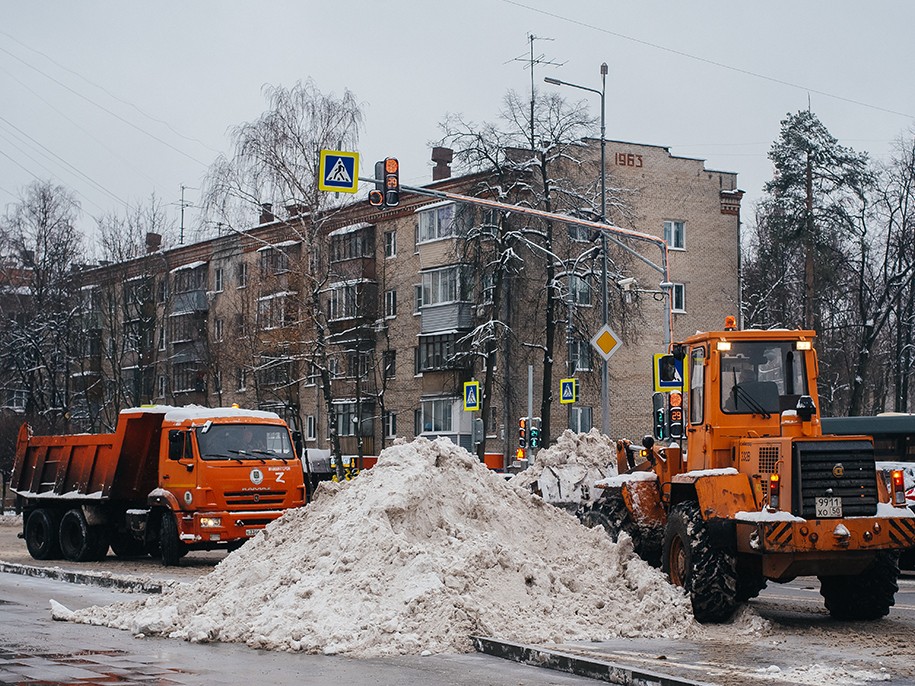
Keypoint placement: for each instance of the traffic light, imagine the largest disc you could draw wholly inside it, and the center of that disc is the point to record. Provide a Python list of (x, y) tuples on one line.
[(535, 433), (391, 182), (675, 415), (376, 196), (659, 416), (522, 432)]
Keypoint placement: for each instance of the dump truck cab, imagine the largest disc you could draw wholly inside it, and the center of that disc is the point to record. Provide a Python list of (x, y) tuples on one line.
[(749, 489)]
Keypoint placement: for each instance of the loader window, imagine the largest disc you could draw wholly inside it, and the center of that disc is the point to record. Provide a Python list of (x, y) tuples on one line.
[(762, 377), (696, 385)]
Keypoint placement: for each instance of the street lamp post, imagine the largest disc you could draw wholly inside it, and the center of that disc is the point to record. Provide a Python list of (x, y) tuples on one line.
[(605, 369)]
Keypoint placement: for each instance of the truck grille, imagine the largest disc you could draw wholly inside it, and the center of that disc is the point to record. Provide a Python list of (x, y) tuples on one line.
[(259, 498), (843, 469)]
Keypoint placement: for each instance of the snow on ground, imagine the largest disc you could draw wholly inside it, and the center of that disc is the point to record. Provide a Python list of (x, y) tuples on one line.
[(417, 554)]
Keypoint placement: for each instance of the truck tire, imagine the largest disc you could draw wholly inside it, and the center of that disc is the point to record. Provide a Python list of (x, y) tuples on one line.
[(611, 514), (80, 542), (707, 573), (169, 544), (41, 534), (868, 595)]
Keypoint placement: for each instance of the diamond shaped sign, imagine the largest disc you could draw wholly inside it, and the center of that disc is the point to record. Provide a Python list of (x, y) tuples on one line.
[(606, 342)]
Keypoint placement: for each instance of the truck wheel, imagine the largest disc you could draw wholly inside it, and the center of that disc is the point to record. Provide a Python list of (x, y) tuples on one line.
[(80, 542), (611, 514), (41, 534), (690, 560), (169, 544), (868, 595)]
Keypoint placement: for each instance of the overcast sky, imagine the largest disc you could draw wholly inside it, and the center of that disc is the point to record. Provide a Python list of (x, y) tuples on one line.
[(117, 100)]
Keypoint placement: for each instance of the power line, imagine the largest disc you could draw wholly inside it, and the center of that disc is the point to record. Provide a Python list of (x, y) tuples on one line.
[(705, 60), (111, 95)]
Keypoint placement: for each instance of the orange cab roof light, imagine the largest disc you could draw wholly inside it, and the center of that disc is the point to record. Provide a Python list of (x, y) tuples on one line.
[(730, 323), (774, 491)]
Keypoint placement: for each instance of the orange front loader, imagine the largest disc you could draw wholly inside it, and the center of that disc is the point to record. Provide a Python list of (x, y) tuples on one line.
[(167, 481), (748, 489)]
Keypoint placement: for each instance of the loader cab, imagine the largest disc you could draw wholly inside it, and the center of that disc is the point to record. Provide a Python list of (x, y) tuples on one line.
[(740, 384)]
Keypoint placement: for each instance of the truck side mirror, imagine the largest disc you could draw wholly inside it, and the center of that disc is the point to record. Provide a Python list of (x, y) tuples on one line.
[(176, 444), (297, 442)]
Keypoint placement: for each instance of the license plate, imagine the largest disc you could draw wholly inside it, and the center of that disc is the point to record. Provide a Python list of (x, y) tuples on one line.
[(829, 507), (251, 532)]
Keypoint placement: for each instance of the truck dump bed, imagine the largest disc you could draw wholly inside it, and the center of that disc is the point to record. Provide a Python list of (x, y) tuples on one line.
[(117, 466)]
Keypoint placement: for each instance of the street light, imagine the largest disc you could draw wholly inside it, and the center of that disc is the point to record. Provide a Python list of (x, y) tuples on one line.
[(605, 369)]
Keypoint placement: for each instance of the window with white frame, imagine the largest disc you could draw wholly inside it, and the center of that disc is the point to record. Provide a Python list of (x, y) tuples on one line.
[(241, 275), (444, 286), (343, 302), (390, 424), (435, 223), (241, 379), (579, 290), (579, 356), (218, 279), (417, 298), (311, 428), (389, 364), (390, 303), (390, 243), (162, 386), (675, 234), (218, 329), (678, 297), (435, 416), (580, 419)]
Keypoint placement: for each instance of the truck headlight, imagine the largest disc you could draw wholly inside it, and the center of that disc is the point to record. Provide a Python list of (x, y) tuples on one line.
[(210, 522)]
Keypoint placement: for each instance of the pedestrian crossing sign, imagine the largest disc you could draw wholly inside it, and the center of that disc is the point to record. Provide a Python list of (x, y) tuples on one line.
[(338, 171), (471, 396), (568, 391)]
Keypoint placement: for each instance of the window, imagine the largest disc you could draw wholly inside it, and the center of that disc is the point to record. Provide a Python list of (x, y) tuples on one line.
[(417, 298), (389, 364), (675, 235), (311, 428), (579, 290), (218, 329), (162, 387), (390, 303), (444, 286), (435, 223), (678, 297), (580, 419), (187, 378), (273, 261), (163, 339), (275, 311), (434, 416), (192, 279), (241, 275), (182, 328), (389, 422), (218, 279), (241, 325), (276, 371), (241, 379), (390, 243), (357, 364), (436, 353), (579, 356), (696, 385), (162, 290), (348, 420), (580, 234), (351, 245), (344, 302)]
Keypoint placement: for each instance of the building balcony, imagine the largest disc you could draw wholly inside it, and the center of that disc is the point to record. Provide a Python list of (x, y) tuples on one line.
[(447, 317), (190, 301)]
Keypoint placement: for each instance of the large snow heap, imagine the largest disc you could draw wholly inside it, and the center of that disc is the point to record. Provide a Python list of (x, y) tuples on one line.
[(565, 473), (417, 554)]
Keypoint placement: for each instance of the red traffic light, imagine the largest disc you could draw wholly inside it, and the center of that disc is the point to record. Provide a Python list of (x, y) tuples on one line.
[(391, 182), (391, 165), (376, 198)]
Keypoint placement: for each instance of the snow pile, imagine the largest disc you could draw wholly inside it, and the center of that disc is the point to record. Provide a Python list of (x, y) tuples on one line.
[(417, 554), (565, 473)]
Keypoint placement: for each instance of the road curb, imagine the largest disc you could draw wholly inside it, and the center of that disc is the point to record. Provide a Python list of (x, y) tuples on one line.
[(103, 580), (604, 670)]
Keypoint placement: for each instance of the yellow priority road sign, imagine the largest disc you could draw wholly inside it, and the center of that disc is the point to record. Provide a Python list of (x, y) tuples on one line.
[(338, 171)]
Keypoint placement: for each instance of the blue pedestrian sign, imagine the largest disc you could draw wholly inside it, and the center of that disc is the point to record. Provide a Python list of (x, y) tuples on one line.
[(471, 396), (338, 171), (568, 391)]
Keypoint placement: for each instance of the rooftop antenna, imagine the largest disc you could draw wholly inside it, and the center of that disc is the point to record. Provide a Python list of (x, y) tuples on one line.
[(531, 61), (182, 204)]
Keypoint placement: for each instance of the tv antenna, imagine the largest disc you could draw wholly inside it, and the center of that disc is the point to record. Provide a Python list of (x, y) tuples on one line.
[(532, 61)]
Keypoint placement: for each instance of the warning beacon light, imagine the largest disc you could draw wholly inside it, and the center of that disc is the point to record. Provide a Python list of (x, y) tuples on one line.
[(391, 182)]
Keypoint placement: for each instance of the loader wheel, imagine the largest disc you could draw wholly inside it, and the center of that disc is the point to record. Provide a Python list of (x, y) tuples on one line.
[(708, 574), (170, 546), (41, 534), (867, 595), (611, 514), (80, 542)]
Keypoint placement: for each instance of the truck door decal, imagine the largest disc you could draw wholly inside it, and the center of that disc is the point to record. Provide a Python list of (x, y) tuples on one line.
[(279, 478)]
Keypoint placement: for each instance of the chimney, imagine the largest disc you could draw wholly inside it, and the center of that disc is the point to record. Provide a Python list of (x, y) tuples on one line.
[(153, 242), (267, 215), (442, 158), (295, 209)]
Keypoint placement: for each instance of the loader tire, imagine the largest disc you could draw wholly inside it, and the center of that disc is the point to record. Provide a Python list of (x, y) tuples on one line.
[(706, 572), (80, 542), (41, 534), (867, 595), (611, 514), (170, 546)]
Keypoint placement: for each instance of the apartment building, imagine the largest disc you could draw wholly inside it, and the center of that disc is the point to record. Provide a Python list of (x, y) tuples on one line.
[(361, 326)]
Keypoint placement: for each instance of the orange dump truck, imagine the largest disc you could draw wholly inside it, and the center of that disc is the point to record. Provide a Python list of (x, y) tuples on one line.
[(167, 481)]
